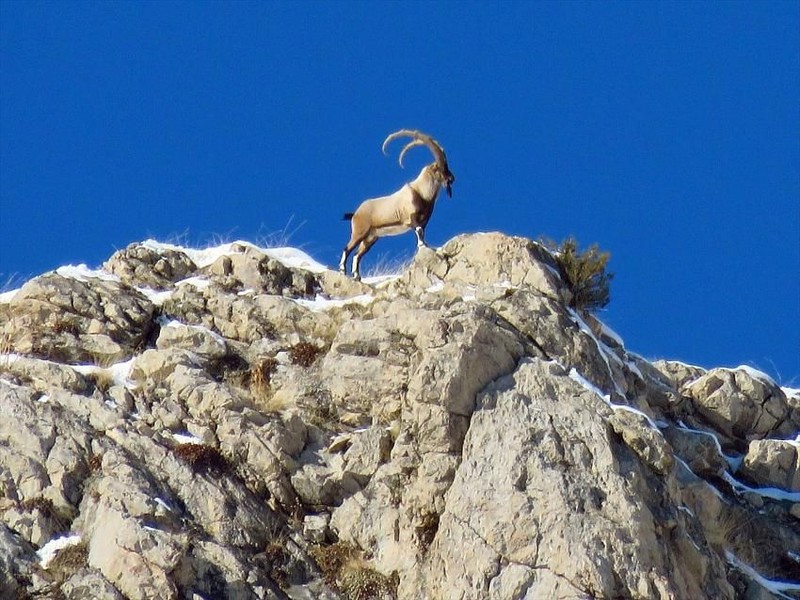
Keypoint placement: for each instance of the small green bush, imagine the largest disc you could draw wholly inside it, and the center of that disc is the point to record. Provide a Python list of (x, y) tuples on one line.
[(585, 274)]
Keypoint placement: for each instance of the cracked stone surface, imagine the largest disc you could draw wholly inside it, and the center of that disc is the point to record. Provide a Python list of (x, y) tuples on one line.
[(209, 424)]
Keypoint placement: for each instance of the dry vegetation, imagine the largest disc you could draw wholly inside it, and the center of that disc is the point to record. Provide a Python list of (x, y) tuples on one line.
[(201, 458), (346, 571), (304, 354), (426, 531), (584, 272), (68, 561)]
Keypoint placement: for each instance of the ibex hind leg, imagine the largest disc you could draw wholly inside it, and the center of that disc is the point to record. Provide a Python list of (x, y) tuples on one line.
[(363, 248), (343, 260), (420, 231), (355, 240)]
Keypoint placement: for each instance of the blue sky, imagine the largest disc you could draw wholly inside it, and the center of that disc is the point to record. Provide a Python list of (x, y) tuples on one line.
[(667, 133)]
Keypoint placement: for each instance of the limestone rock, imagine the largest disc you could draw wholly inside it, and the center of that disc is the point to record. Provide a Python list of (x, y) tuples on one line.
[(89, 583), (699, 451), (44, 375), (679, 373), (252, 269), (773, 463), (456, 431), (15, 563), (141, 266), (72, 320), (741, 405), (547, 448)]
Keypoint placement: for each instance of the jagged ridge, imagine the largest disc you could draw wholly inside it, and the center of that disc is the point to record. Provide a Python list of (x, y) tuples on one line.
[(209, 423)]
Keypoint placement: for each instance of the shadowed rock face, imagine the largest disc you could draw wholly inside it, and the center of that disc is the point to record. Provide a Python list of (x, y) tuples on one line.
[(241, 427)]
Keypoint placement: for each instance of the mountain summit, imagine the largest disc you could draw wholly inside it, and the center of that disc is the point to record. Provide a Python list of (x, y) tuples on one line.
[(240, 422)]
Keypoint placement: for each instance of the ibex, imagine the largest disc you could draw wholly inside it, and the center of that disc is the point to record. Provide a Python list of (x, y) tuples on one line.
[(408, 208)]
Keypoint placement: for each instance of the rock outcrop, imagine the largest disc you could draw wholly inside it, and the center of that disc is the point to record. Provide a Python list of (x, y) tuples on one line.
[(241, 422)]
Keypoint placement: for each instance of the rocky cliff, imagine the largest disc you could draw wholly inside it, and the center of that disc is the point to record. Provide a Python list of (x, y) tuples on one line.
[(243, 423)]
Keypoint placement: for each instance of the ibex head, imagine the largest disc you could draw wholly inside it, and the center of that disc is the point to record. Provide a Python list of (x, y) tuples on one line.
[(439, 169)]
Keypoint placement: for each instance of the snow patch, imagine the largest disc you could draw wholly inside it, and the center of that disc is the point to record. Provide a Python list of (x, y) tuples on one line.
[(321, 304), (200, 283), (604, 350), (83, 273), (793, 393), (166, 322), (8, 296), (606, 331), (290, 257), (48, 552), (756, 374), (157, 297), (734, 462), (765, 492), (186, 438), (436, 287), (9, 358), (119, 373), (380, 280), (775, 587), (713, 488), (577, 377), (162, 504)]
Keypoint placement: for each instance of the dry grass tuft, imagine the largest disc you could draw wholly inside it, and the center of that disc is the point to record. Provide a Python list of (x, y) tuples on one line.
[(95, 463), (59, 521), (103, 380), (426, 531), (68, 561), (202, 459), (304, 354), (261, 374), (279, 561), (347, 572)]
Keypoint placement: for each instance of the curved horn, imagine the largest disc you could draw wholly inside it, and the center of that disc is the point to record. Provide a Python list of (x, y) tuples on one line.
[(419, 139), (408, 147)]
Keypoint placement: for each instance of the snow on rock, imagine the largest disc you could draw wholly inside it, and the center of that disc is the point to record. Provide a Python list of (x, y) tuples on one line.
[(83, 273), (578, 378), (118, 373), (792, 393), (734, 462), (321, 303), (781, 589), (48, 552), (6, 297), (200, 283), (163, 504), (756, 374), (290, 257), (463, 455), (380, 280), (765, 492), (185, 438), (157, 297)]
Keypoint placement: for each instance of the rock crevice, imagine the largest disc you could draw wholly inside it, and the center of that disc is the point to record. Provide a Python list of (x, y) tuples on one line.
[(241, 422)]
